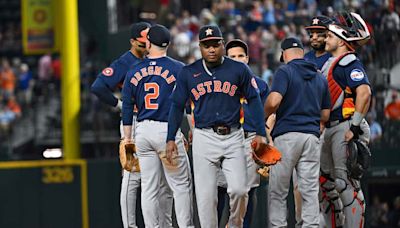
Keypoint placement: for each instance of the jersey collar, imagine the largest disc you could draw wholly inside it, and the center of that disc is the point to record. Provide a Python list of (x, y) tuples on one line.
[(206, 68)]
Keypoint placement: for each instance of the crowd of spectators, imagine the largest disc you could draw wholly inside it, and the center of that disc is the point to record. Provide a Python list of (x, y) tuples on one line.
[(383, 214)]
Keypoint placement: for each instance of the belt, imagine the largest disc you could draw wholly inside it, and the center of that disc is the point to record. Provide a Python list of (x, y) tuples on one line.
[(248, 134), (333, 123), (223, 129)]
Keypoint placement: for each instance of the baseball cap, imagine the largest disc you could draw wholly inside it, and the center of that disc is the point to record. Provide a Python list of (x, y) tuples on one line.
[(290, 42), (210, 32), (139, 31), (159, 35), (320, 22), (237, 43)]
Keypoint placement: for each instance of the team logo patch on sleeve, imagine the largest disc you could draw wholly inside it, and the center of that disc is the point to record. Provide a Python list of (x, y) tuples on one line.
[(356, 75), (108, 71)]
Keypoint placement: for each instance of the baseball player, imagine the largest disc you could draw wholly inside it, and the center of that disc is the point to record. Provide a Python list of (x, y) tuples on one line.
[(108, 80), (238, 50), (350, 96), (317, 30), (296, 133), (148, 86), (215, 84)]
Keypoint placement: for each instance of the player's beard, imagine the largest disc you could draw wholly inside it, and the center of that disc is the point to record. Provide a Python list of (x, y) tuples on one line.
[(319, 47)]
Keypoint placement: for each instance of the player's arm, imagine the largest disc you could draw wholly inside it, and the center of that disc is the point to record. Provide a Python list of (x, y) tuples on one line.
[(270, 122), (107, 81), (104, 93), (358, 80), (278, 90), (325, 106), (179, 97), (127, 106), (251, 93)]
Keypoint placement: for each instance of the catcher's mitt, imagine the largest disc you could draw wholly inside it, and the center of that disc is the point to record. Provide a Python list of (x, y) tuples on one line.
[(266, 154), (127, 158), (358, 159)]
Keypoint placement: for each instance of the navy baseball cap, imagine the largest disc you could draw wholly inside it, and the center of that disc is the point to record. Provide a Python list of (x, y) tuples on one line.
[(210, 32), (290, 42), (139, 31), (159, 35), (320, 22), (237, 43)]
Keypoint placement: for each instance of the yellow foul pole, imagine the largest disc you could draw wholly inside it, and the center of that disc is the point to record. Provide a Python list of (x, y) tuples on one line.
[(70, 79)]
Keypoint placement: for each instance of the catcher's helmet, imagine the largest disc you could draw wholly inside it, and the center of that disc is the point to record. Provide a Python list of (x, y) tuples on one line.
[(351, 28)]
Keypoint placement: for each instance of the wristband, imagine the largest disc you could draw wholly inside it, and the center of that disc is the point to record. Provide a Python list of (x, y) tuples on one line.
[(357, 118)]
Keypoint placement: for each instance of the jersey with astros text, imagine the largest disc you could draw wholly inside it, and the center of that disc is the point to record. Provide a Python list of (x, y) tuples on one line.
[(215, 92)]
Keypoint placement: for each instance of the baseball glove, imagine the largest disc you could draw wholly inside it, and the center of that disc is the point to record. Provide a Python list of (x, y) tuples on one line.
[(266, 154), (127, 158)]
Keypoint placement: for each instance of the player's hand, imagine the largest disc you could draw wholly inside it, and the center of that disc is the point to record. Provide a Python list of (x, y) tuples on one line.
[(321, 127), (128, 140), (353, 132), (190, 136), (259, 140), (171, 151)]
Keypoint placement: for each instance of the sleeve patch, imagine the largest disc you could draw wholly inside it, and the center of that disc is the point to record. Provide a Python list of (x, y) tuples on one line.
[(357, 75), (108, 71), (254, 83)]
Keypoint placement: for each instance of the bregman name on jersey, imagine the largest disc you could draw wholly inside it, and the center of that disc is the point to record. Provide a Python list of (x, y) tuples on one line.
[(153, 71)]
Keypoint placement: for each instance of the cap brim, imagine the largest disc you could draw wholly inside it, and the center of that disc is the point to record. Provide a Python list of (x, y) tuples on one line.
[(237, 43), (316, 27), (211, 38)]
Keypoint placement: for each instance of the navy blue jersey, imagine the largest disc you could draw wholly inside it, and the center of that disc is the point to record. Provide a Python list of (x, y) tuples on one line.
[(149, 85), (215, 92), (305, 93), (111, 76), (350, 76), (318, 61), (249, 121)]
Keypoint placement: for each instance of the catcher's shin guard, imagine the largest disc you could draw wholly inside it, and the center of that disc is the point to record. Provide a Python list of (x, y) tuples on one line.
[(353, 203), (330, 203)]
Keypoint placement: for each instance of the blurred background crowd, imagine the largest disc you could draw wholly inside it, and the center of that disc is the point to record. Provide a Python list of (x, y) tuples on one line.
[(30, 110)]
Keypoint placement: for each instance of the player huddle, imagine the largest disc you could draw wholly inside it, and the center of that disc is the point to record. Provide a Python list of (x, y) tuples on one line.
[(314, 110)]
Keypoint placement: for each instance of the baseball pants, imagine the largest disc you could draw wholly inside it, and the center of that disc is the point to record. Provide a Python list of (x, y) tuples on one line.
[(333, 162), (150, 141), (300, 151), (210, 153)]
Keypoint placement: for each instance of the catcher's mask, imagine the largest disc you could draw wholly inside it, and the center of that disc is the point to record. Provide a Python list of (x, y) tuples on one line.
[(358, 160), (351, 28)]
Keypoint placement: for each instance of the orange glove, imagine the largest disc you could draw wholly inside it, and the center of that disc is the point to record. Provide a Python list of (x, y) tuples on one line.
[(265, 154)]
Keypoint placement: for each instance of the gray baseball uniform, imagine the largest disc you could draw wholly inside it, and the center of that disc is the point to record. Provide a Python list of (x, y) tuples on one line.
[(344, 73), (296, 135), (129, 189)]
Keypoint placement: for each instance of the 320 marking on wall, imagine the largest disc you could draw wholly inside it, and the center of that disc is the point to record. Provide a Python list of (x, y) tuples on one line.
[(57, 175)]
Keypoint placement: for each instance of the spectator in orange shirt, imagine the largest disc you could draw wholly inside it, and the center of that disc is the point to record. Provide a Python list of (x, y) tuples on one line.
[(8, 79), (392, 110), (14, 106)]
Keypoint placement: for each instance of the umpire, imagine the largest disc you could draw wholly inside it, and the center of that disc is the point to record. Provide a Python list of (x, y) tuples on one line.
[(300, 98)]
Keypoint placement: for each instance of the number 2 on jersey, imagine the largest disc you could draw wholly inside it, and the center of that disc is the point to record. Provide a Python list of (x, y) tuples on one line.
[(151, 95)]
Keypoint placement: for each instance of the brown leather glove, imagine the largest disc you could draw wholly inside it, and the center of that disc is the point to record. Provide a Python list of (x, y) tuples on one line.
[(127, 156)]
